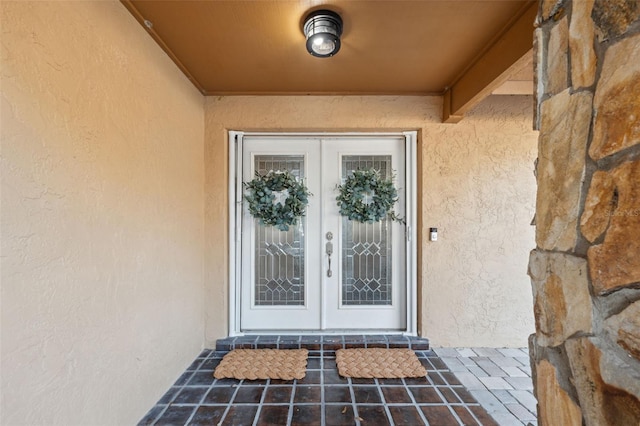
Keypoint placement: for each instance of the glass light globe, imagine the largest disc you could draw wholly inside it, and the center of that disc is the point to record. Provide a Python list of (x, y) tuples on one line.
[(323, 46)]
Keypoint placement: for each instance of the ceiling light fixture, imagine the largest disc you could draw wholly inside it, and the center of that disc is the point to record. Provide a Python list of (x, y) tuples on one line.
[(323, 29)]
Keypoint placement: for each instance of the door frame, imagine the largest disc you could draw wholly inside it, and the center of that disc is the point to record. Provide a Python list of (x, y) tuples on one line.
[(235, 225)]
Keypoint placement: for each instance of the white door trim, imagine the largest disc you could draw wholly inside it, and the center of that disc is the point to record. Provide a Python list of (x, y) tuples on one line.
[(235, 223)]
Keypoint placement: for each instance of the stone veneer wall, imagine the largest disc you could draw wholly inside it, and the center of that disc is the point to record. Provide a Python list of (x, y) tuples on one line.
[(585, 270)]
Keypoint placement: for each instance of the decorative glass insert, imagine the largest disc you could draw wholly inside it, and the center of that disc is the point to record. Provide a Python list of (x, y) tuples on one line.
[(366, 247), (279, 255)]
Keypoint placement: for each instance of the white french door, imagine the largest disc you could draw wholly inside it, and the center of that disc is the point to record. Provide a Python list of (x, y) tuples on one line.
[(327, 272), (281, 270)]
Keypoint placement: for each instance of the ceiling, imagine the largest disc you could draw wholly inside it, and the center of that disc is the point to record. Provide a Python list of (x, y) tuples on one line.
[(388, 46)]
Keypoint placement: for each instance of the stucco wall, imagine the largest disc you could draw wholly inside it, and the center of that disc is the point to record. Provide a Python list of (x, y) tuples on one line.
[(102, 216), (478, 188)]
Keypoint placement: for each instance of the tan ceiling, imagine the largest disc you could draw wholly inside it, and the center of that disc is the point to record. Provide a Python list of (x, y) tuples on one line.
[(388, 47)]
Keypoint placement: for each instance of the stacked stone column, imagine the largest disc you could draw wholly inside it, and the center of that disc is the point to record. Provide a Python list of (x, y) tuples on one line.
[(585, 270)]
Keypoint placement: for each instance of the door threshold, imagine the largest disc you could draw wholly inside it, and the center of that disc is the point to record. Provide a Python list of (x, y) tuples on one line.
[(333, 332), (322, 342)]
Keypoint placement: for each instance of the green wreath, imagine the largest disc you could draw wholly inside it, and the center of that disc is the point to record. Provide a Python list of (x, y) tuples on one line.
[(277, 199), (367, 197)]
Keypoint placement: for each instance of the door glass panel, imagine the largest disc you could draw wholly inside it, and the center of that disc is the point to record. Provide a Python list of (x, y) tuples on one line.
[(279, 255), (366, 247)]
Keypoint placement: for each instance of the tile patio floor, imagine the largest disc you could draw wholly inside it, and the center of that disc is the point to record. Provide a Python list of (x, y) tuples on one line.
[(499, 379), (476, 386)]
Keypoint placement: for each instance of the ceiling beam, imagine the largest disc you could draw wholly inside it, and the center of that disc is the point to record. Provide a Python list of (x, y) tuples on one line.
[(499, 61), (515, 87)]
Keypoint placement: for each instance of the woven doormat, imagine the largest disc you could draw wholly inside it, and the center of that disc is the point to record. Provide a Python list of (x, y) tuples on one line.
[(379, 363), (254, 364)]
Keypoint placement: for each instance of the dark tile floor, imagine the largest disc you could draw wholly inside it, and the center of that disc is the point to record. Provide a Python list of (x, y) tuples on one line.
[(323, 397)]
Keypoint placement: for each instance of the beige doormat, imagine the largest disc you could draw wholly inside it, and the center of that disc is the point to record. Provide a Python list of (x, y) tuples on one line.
[(379, 363), (254, 364)]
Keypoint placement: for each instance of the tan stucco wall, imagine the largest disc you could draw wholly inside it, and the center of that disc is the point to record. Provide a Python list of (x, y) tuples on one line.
[(102, 216), (478, 188)]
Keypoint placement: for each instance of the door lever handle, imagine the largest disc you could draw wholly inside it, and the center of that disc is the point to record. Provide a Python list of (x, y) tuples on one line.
[(329, 251), (328, 248)]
